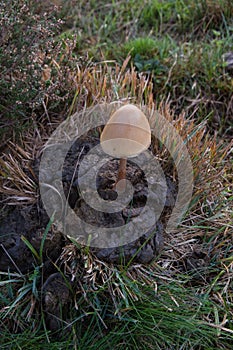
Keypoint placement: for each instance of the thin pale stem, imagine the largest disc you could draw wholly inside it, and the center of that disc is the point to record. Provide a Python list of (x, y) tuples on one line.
[(122, 169), (121, 175)]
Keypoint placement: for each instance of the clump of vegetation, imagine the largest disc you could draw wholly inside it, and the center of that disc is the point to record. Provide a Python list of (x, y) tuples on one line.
[(35, 66), (107, 300)]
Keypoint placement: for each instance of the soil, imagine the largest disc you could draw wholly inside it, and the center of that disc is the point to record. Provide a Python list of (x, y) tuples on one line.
[(31, 222)]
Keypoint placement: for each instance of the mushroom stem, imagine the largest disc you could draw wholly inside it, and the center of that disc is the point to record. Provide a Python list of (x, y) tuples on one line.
[(121, 175), (122, 169)]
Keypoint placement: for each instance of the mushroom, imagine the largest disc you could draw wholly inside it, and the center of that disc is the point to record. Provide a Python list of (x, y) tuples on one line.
[(126, 134)]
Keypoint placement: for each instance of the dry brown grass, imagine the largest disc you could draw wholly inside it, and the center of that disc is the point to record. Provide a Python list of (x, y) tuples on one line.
[(197, 256), (206, 232), (17, 177)]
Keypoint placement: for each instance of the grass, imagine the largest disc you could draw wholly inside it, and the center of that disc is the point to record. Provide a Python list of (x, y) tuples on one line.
[(167, 55), (163, 315), (179, 43), (137, 306)]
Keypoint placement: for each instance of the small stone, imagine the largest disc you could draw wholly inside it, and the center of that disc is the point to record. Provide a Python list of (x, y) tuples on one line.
[(228, 60)]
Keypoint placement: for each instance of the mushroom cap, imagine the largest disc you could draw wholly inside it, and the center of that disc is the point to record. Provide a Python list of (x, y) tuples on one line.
[(127, 133)]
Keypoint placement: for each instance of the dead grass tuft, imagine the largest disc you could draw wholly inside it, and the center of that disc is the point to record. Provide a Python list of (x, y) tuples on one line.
[(18, 182), (199, 253)]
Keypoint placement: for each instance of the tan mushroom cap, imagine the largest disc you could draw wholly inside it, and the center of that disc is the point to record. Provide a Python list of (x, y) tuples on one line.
[(127, 133)]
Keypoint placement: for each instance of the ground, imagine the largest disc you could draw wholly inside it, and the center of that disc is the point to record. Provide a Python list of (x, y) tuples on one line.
[(171, 56)]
